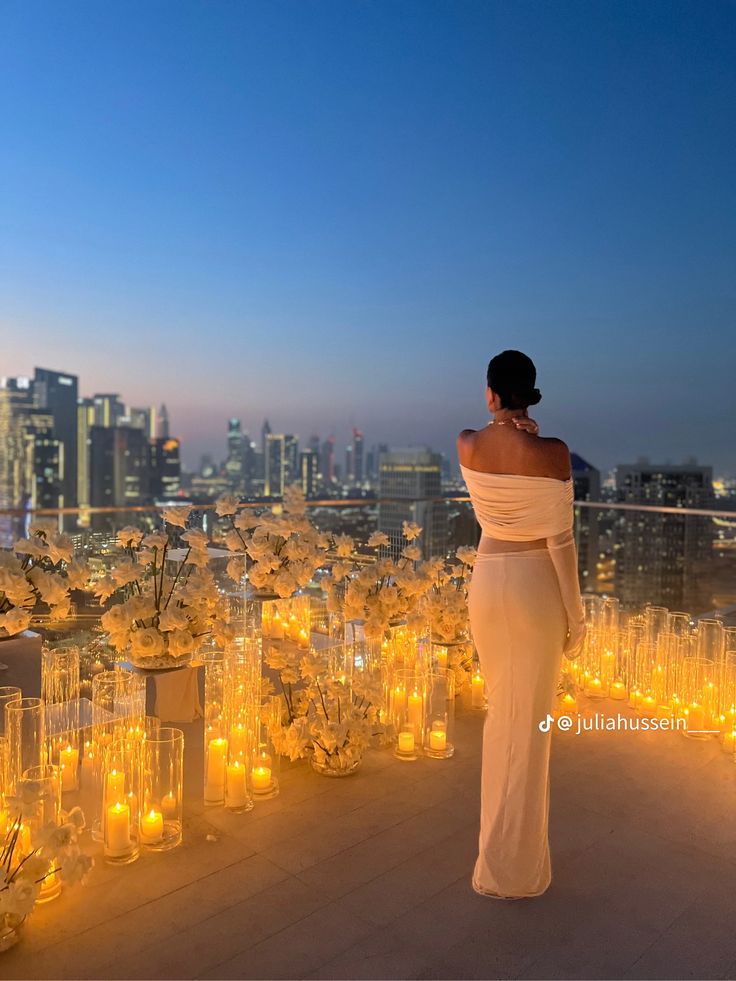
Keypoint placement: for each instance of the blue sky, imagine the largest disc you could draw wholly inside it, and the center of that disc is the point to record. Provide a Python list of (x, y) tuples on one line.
[(335, 212)]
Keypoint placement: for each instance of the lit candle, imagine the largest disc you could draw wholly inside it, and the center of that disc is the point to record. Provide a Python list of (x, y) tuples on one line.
[(438, 740), (303, 638), (594, 686), (293, 627), (477, 691), (441, 657), (729, 741), (406, 742), (216, 757), (237, 794), (399, 699), (414, 711), (695, 717), (261, 778), (649, 705), (568, 703), (238, 740), (635, 697), (88, 768), (69, 761), (115, 786), (117, 830), (152, 827), (168, 805), (277, 627), (617, 691)]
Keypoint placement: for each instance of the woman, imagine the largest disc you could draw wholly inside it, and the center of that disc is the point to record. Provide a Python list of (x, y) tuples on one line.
[(525, 612)]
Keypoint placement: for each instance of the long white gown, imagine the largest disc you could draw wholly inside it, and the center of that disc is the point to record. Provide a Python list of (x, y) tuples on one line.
[(521, 605)]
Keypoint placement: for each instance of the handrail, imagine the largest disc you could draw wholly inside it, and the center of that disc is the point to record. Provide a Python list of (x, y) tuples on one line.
[(356, 502)]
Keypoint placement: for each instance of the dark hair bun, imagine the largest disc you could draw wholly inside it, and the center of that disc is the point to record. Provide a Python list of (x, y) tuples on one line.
[(512, 375)]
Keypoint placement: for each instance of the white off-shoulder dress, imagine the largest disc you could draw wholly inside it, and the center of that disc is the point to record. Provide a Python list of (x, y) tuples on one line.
[(521, 606)]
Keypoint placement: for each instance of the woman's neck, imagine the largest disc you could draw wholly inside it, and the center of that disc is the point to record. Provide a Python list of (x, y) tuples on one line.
[(506, 415)]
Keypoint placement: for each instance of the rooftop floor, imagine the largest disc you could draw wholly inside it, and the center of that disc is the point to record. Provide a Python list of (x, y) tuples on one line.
[(369, 877)]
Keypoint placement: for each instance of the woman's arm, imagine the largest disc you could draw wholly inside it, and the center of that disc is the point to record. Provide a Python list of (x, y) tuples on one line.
[(565, 560)]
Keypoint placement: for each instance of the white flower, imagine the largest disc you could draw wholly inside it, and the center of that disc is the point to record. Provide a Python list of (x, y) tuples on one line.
[(466, 554), (411, 530), (19, 897), (246, 520), (344, 546), (156, 539), (195, 538), (130, 536), (77, 574), (115, 619), (180, 642), (412, 552), (16, 588), (173, 618), (125, 572), (15, 621), (377, 539), (60, 548), (35, 547), (147, 642), (104, 588), (51, 587), (233, 541), (177, 515), (226, 504), (236, 568)]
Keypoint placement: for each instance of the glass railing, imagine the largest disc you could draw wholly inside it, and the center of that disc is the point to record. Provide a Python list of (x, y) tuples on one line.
[(680, 558)]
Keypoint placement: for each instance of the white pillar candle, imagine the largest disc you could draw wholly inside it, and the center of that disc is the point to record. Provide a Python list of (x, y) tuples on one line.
[(277, 627), (406, 742), (438, 740), (115, 786), (152, 827), (414, 711), (477, 691), (69, 761), (237, 794), (117, 830), (261, 778), (617, 691), (216, 757)]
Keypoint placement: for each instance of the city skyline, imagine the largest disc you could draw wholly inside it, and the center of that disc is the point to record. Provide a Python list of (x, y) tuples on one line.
[(339, 212)]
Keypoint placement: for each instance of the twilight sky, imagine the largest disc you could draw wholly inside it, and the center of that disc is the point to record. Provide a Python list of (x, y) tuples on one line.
[(335, 211)]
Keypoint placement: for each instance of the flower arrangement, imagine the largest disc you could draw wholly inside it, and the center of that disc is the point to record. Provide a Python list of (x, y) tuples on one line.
[(319, 712), (24, 868), (39, 571), (159, 615), (283, 545), (383, 590)]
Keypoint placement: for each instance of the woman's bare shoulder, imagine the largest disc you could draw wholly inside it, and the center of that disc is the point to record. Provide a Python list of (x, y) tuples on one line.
[(465, 441), (556, 454)]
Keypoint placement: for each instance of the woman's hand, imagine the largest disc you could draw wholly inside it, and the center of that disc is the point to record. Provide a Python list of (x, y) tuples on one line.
[(574, 643), (527, 425)]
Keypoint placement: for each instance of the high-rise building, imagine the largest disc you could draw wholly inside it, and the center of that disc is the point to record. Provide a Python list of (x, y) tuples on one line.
[(410, 485), (109, 409), (145, 419), (587, 487), (349, 469), (162, 429), (327, 462), (358, 450), (235, 463), (85, 421), (56, 391), (291, 459), (45, 461), (308, 472), (16, 402), (119, 466), (661, 556), (165, 478), (273, 484)]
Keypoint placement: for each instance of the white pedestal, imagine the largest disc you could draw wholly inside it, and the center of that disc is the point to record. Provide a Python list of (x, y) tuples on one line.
[(22, 655)]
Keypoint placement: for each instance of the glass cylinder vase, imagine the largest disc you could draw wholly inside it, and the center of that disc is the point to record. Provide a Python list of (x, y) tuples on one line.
[(163, 789), (40, 789), (120, 798), (26, 734), (439, 714)]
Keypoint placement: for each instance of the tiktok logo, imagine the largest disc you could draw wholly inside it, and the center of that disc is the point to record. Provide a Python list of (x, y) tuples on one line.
[(546, 724)]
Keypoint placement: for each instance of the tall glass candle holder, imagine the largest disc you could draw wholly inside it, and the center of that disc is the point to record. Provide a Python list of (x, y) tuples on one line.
[(265, 761), (241, 696), (25, 720), (697, 674), (163, 789), (407, 710), (41, 807), (439, 714), (121, 789), (8, 694), (478, 700), (215, 729)]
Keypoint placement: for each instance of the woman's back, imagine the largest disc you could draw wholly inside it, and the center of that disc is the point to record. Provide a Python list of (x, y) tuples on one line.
[(503, 449)]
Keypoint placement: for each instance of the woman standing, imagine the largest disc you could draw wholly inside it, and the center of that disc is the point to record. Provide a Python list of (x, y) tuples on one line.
[(525, 612)]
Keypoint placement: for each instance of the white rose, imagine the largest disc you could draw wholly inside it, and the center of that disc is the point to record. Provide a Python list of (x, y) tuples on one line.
[(180, 642), (147, 642), (177, 515)]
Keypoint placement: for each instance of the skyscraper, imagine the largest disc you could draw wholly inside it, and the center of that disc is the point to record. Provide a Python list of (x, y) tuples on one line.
[(163, 422), (109, 409), (234, 465), (165, 479), (411, 480), (661, 556), (587, 485), (85, 421), (273, 484), (327, 463), (57, 392), (358, 461), (308, 472)]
